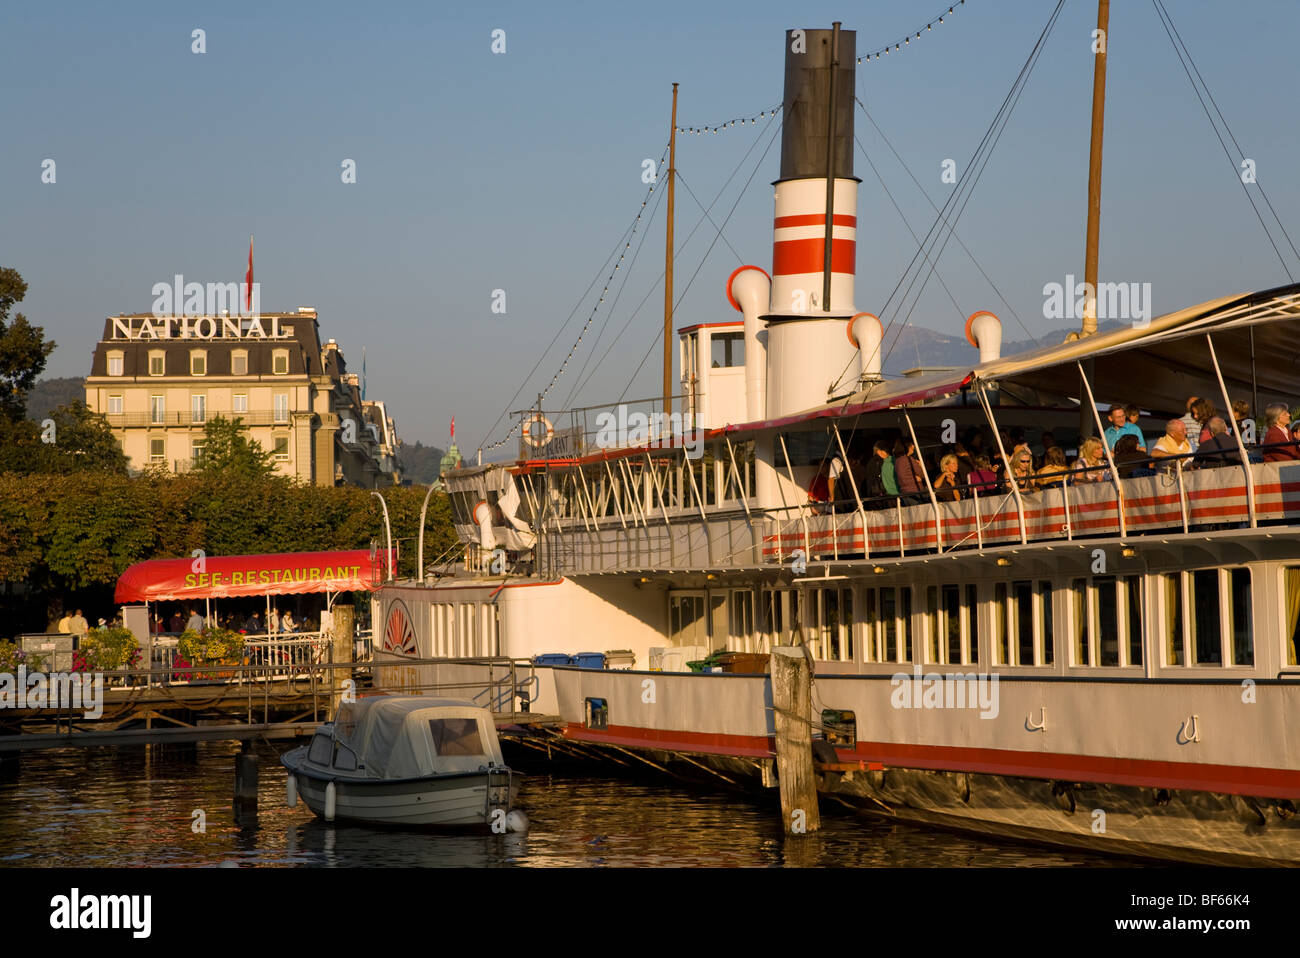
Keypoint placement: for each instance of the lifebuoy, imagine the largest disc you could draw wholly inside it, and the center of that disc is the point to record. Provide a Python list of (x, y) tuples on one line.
[(531, 438)]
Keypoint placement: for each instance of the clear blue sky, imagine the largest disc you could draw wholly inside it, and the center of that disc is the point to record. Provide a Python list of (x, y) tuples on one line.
[(520, 171)]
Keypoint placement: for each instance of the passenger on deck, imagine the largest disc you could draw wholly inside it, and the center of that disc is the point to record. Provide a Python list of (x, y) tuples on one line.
[(876, 485), (1173, 442), (1221, 448), (909, 471), (1242, 424), (1128, 457), (1092, 460), (983, 478), (1191, 426), (946, 486), (1277, 440), (1052, 475), (1022, 468), (1204, 411), (1120, 426)]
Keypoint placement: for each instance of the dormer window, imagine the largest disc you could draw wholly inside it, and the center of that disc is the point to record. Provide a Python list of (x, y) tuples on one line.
[(198, 362), (157, 363), (280, 362), (115, 362)]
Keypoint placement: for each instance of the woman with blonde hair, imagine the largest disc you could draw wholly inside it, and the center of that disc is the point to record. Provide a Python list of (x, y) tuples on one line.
[(945, 487), (1092, 460), (1022, 468)]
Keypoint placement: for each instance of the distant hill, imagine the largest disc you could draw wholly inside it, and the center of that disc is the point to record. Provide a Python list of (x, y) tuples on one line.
[(943, 349), (420, 462), (49, 394)]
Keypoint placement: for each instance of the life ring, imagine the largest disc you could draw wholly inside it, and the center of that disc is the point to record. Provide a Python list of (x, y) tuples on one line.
[(530, 437)]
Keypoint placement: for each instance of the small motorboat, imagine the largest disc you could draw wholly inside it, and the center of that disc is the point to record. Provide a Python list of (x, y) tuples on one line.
[(406, 760)]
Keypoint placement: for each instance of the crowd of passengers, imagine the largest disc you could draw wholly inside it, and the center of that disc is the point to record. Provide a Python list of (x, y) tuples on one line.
[(974, 465)]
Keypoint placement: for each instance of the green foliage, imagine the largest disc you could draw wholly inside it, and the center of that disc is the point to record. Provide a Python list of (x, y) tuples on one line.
[(12, 656), (210, 645), (229, 452), (76, 440), (23, 348), (106, 650)]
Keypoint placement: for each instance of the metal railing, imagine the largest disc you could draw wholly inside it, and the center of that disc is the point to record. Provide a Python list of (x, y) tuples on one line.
[(257, 417)]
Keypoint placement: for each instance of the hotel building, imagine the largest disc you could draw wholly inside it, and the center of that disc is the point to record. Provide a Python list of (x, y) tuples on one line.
[(158, 380)]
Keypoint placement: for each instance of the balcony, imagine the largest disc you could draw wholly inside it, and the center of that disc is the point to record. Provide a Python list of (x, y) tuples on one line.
[(185, 418)]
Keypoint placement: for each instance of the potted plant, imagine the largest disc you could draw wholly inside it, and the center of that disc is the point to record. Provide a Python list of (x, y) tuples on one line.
[(107, 650), (12, 656), (212, 646)]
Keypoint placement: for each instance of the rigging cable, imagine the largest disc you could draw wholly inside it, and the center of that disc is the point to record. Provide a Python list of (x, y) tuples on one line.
[(1171, 31)]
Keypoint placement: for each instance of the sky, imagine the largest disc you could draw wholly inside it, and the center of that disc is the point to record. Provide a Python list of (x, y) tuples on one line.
[(521, 171)]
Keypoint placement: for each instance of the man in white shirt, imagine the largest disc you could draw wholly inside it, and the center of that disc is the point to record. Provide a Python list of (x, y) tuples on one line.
[(78, 625), (195, 621)]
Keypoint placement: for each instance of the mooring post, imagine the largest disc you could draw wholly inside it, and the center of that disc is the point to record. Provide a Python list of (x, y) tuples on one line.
[(344, 617), (792, 711), (246, 774)]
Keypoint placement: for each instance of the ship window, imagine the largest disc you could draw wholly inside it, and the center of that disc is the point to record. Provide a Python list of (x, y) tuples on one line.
[(1081, 651), (1133, 598), (1205, 620), (833, 624), (740, 614), (958, 638), (1023, 592), (840, 728), (1243, 652), (905, 613), (1044, 619), (929, 626), (1105, 619), (597, 713), (1172, 594), (871, 637), (1291, 614), (321, 749), (889, 625), (456, 736), (1000, 650), (686, 619), (728, 349)]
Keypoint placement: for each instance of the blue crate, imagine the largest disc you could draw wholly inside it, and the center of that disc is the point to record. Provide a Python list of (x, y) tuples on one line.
[(553, 658), (590, 660)]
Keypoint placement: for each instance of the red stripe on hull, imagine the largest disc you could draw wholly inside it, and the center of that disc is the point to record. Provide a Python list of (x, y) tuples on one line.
[(1227, 779)]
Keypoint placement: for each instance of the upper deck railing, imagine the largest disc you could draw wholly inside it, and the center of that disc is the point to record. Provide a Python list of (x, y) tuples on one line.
[(582, 431)]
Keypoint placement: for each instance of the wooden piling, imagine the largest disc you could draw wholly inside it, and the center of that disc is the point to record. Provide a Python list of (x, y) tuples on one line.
[(246, 773), (792, 710), (344, 618)]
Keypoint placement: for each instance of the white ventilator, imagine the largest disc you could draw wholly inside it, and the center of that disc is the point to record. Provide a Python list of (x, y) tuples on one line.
[(483, 518), (867, 336), (749, 290), (984, 332)]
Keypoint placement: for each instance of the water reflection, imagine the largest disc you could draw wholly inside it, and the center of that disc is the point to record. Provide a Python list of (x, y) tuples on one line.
[(174, 806)]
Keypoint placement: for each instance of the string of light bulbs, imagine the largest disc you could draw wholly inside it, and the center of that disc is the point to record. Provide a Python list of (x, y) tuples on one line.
[(600, 300), (916, 35), (742, 120)]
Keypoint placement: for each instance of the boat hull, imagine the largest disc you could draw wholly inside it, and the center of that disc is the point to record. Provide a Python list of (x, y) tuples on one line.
[(441, 801)]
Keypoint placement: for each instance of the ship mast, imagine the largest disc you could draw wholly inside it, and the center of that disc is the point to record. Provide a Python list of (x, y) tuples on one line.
[(668, 265), (1094, 169)]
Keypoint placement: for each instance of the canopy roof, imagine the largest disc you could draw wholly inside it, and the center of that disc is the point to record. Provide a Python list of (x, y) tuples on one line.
[(398, 736), (280, 573)]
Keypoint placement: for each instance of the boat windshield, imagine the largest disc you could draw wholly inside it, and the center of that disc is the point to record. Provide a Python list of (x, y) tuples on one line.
[(456, 736)]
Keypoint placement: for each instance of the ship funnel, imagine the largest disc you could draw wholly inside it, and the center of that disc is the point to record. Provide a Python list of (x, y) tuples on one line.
[(866, 334), (984, 332), (748, 289)]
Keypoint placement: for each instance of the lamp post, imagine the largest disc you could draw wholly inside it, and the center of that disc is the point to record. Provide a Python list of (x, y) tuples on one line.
[(388, 534), (423, 509)]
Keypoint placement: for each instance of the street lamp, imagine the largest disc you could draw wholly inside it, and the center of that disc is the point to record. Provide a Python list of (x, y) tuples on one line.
[(388, 533)]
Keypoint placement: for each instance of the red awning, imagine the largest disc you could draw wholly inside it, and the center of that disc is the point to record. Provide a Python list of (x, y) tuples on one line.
[(276, 574)]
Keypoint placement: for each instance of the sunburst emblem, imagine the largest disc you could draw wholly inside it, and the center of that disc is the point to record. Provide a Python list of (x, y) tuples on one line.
[(399, 634)]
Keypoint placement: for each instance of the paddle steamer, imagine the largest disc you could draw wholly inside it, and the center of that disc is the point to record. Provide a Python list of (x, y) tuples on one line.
[(1108, 664)]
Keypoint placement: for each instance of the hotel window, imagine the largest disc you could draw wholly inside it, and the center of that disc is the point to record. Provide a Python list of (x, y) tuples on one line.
[(281, 447), (157, 450), (198, 448), (281, 407), (198, 409), (280, 362), (239, 362), (157, 363), (157, 409), (115, 363), (198, 362), (114, 405), (239, 403)]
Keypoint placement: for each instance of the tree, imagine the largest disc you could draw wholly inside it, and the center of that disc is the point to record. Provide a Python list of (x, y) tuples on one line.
[(73, 439), (23, 348), (228, 451)]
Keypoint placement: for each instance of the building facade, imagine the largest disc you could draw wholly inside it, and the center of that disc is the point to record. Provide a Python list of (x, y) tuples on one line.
[(159, 380)]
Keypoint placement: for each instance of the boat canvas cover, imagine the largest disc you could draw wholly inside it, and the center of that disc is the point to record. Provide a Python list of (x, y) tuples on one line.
[(284, 573), (416, 736)]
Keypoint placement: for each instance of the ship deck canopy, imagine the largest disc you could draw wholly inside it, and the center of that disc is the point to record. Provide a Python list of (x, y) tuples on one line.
[(284, 573), (1158, 364)]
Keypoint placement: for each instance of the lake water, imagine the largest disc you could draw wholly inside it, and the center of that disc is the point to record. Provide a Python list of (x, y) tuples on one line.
[(136, 807)]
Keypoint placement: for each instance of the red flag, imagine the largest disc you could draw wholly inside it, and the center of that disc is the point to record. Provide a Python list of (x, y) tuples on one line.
[(453, 428), (248, 278)]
